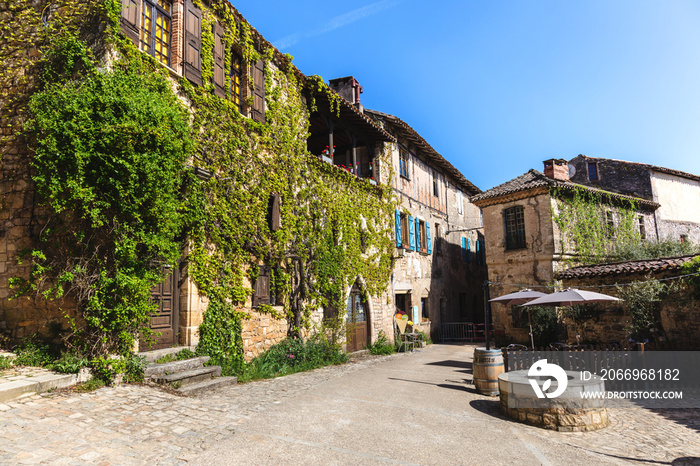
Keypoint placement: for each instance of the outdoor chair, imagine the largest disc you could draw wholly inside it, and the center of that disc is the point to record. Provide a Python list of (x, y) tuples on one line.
[(404, 340)]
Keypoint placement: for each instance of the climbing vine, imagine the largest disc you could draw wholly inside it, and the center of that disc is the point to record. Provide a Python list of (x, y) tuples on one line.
[(114, 140), (595, 227)]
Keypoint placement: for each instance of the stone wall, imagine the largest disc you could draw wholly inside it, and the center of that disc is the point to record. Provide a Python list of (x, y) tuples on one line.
[(260, 332), (679, 313)]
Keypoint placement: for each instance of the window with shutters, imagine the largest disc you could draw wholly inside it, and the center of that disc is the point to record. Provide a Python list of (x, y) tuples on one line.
[(236, 79), (258, 82), (405, 241), (262, 287), (514, 220), (155, 29), (422, 236), (192, 46)]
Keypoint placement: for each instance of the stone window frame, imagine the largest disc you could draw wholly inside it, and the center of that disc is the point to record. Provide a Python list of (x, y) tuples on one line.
[(514, 227)]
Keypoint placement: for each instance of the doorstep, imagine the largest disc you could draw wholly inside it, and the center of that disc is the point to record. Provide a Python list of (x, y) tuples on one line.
[(25, 381)]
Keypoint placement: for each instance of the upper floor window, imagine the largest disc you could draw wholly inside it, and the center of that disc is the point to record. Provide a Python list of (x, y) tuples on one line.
[(403, 163), (642, 228), (592, 171), (436, 189), (515, 227), (155, 29), (236, 79), (257, 72)]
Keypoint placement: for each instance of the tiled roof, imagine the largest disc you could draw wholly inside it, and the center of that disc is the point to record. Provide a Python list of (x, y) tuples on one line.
[(655, 168), (625, 268), (433, 155), (535, 179)]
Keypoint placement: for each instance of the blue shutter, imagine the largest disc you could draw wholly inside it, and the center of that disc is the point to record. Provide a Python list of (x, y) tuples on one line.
[(469, 250), (464, 249), (398, 228), (478, 252), (418, 238), (411, 233), (428, 239)]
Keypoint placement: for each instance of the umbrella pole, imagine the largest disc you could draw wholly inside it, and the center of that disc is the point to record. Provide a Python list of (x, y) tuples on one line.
[(486, 314), (532, 338)]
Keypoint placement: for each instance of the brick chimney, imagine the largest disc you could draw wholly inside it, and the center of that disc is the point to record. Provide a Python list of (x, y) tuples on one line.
[(557, 169), (348, 88)]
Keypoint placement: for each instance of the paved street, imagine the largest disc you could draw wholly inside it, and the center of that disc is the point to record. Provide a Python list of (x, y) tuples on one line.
[(410, 409)]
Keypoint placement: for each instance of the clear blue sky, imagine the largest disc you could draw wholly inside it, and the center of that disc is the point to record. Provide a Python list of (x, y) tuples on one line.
[(498, 86)]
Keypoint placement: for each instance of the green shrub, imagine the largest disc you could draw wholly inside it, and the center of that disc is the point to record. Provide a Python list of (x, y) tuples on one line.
[(33, 352), (68, 363), (292, 355), (5, 362), (382, 345), (131, 367)]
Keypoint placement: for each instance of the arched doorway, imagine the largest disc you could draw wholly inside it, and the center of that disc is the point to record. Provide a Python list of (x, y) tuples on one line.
[(356, 321)]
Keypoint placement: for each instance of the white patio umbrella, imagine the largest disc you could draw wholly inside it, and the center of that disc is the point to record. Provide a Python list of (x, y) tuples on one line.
[(521, 297), (570, 297)]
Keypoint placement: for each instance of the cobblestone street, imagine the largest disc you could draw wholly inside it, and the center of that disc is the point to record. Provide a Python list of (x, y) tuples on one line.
[(132, 424)]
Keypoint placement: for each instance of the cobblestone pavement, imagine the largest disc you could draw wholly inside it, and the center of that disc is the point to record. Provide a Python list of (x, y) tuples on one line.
[(133, 424)]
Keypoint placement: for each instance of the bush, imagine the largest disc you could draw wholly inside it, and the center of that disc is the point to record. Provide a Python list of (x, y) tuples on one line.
[(292, 355), (5, 362), (68, 363), (33, 352), (381, 346), (131, 367)]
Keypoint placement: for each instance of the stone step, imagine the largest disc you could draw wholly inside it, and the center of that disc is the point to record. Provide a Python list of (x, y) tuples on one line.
[(152, 356), (174, 367), (208, 385), (40, 383), (190, 377)]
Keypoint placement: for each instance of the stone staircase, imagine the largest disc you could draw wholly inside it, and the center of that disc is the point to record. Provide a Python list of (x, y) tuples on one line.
[(189, 376)]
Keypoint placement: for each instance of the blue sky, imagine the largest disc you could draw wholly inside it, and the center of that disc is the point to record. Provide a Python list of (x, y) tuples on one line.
[(498, 86)]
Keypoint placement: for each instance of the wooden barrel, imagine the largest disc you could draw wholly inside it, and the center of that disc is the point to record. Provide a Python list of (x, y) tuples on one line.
[(488, 364)]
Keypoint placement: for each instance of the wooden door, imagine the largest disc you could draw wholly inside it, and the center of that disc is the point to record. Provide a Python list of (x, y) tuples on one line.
[(356, 322), (164, 322)]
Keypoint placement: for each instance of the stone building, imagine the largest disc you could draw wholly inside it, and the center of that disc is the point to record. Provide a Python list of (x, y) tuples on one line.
[(439, 266), (676, 192), (189, 41), (527, 247)]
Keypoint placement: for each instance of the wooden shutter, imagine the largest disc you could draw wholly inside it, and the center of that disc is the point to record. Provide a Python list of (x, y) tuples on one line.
[(275, 214), (193, 43), (262, 287), (258, 110), (464, 249), (131, 19), (398, 228), (469, 250), (411, 233), (219, 67), (428, 238)]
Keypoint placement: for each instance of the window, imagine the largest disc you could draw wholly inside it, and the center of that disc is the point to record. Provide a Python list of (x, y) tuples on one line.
[(684, 238), (515, 227), (423, 237), (436, 190), (155, 29), (236, 79), (262, 287), (465, 249), (438, 240), (403, 163), (642, 228), (592, 171), (424, 309), (609, 225), (460, 202)]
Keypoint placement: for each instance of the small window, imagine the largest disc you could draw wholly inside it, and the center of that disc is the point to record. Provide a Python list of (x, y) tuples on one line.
[(642, 228), (155, 29), (262, 287), (609, 225), (422, 234), (436, 190), (684, 238), (592, 171), (236, 79), (424, 309), (460, 203), (403, 163), (438, 239), (515, 227)]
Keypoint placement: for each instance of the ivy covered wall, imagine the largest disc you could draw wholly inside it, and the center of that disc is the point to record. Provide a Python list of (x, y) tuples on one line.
[(89, 128)]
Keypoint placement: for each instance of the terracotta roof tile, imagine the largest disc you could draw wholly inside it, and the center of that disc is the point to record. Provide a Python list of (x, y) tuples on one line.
[(625, 268)]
